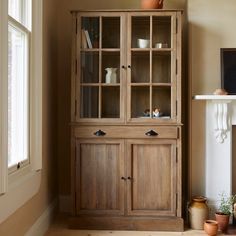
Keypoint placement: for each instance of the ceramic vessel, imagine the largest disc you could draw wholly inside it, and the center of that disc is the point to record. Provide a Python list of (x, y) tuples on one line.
[(198, 212), (111, 77), (211, 227), (143, 43), (152, 4), (223, 221), (220, 92)]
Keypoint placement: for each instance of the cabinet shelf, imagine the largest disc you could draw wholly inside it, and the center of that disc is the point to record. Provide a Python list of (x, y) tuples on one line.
[(151, 49), (100, 84), (152, 84), (100, 49)]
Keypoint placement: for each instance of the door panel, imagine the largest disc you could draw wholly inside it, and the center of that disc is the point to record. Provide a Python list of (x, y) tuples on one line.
[(152, 188), (99, 168)]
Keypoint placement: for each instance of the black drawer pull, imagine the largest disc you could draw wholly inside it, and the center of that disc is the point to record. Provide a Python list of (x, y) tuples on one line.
[(99, 133), (151, 133), (123, 178)]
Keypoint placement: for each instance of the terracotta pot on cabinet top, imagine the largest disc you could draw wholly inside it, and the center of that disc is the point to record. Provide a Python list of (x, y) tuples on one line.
[(152, 4)]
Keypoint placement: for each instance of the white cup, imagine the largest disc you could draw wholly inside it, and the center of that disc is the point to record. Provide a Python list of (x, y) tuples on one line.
[(143, 43), (161, 45)]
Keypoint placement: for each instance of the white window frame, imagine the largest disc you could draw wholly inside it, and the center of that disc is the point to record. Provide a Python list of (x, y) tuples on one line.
[(21, 28), (26, 182)]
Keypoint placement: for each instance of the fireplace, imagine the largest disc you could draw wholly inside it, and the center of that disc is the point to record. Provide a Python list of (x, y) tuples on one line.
[(220, 116)]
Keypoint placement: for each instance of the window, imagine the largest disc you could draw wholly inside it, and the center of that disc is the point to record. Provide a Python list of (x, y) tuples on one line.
[(19, 32), (20, 102)]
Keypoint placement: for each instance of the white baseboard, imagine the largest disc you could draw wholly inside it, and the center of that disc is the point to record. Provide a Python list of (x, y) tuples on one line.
[(42, 224), (65, 203)]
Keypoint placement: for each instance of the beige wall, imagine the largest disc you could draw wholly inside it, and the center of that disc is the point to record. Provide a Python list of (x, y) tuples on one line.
[(211, 27), (64, 36), (24, 218)]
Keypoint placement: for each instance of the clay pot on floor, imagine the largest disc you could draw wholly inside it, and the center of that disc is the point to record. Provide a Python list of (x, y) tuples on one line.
[(198, 212), (211, 227), (223, 221), (152, 4)]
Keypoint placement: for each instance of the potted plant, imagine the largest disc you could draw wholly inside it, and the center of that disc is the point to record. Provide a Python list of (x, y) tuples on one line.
[(224, 211)]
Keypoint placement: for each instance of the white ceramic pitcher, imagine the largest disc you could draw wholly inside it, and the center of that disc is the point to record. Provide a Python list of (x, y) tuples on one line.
[(111, 76)]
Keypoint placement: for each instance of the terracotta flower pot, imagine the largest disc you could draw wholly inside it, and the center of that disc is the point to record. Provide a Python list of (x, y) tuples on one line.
[(152, 4), (211, 227), (223, 221)]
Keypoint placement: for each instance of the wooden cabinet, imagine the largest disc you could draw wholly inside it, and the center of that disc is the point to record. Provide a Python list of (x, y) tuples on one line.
[(126, 120)]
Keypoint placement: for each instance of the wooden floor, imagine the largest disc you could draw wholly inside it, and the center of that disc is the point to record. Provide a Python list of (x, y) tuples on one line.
[(59, 228)]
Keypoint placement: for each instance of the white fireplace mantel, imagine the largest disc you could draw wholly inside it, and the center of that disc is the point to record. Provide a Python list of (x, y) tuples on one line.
[(219, 118), (222, 117)]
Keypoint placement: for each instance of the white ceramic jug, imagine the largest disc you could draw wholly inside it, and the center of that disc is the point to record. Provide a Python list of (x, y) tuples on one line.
[(111, 77)]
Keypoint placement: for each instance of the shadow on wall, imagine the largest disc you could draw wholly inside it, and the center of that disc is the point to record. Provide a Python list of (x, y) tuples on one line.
[(204, 58), (198, 164)]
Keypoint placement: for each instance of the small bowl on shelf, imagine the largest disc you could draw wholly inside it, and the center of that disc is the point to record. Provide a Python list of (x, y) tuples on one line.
[(161, 45), (143, 43), (220, 91)]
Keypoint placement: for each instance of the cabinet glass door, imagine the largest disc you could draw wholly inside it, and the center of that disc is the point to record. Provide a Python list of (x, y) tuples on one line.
[(152, 63), (99, 68)]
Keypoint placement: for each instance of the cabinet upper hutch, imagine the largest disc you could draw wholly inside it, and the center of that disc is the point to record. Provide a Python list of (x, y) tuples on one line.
[(142, 51), (126, 119)]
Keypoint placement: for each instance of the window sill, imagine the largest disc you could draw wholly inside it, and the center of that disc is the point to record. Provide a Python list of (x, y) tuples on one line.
[(25, 187)]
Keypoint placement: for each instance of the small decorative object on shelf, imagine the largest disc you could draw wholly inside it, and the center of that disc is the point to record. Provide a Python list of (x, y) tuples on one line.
[(143, 43), (152, 4), (156, 112), (220, 92), (111, 77), (161, 45), (198, 212), (146, 113), (211, 227)]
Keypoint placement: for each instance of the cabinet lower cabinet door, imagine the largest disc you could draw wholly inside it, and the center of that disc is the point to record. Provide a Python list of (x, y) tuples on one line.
[(152, 171), (99, 168)]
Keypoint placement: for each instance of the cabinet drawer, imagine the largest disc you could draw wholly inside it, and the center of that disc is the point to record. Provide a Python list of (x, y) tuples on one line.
[(126, 132)]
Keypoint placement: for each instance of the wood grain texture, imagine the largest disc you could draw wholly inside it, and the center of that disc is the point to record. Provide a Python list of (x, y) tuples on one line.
[(99, 168), (127, 132), (127, 223), (152, 189)]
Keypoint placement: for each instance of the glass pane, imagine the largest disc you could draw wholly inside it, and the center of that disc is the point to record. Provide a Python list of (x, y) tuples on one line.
[(15, 9), (90, 32), (161, 68), (110, 67), (18, 100), (89, 102), (111, 102), (161, 32), (111, 32), (140, 72), (140, 101), (21, 10), (89, 67), (140, 30), (161, 100)]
